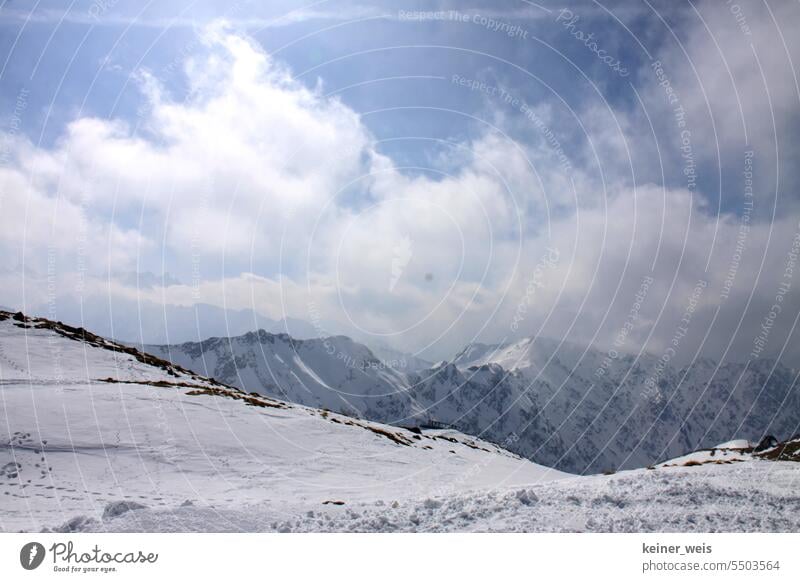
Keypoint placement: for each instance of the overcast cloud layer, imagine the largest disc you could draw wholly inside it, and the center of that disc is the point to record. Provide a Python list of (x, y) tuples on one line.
[(566, 200)]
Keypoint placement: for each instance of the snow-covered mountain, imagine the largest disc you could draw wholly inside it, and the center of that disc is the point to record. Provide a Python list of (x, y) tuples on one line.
[(626, 412), (99, 436), (335, 373), (555, 403), (398, 359), (94, 429), (142, 321), (491, 401)]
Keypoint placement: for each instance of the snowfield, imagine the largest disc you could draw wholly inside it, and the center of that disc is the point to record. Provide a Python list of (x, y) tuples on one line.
[(95, 436), (90, 427), (758, 496), (553, 403)]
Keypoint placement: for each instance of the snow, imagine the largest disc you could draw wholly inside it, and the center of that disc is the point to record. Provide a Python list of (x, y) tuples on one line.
[(162, 449), (596, 413), (715, 455), (71, 444), (335, 373), (735, 444), (554, 403), (746, 497)]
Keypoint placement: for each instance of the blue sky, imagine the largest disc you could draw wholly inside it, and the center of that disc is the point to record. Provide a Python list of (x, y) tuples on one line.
[(400, 172), (375, 57)]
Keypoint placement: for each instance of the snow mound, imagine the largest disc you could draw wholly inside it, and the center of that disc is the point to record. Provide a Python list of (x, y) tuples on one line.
[(735, 444), (117, 508)]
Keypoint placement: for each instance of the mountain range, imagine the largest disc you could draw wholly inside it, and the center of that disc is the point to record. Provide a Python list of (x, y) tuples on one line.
[(100, 436), (94, 430), (554, 403)]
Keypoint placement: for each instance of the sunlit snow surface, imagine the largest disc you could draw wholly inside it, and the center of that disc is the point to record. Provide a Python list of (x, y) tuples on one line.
[(70, 444), (73, 446), (754, 496)]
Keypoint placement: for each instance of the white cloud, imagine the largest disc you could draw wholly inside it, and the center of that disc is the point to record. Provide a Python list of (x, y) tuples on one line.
[(733, 68), (258, 192)]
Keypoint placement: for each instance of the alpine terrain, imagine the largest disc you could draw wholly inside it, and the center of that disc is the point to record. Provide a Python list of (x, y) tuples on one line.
[(554, 403), (99, 436)]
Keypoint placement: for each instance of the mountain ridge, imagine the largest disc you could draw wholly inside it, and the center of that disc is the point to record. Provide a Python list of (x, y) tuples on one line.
[(97, 432), (561, 405)]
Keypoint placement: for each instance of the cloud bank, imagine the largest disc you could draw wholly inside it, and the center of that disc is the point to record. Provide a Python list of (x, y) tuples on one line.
[(255, 191)]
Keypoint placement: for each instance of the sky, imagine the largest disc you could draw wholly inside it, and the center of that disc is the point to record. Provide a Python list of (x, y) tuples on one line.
[(416, 174)]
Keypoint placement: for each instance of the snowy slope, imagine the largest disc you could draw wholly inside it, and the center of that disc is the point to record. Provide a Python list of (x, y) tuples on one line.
[(740, 450), (557, 404), (87, 424), (740, 497), (98, 437), (335, 373), (731, 487)]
